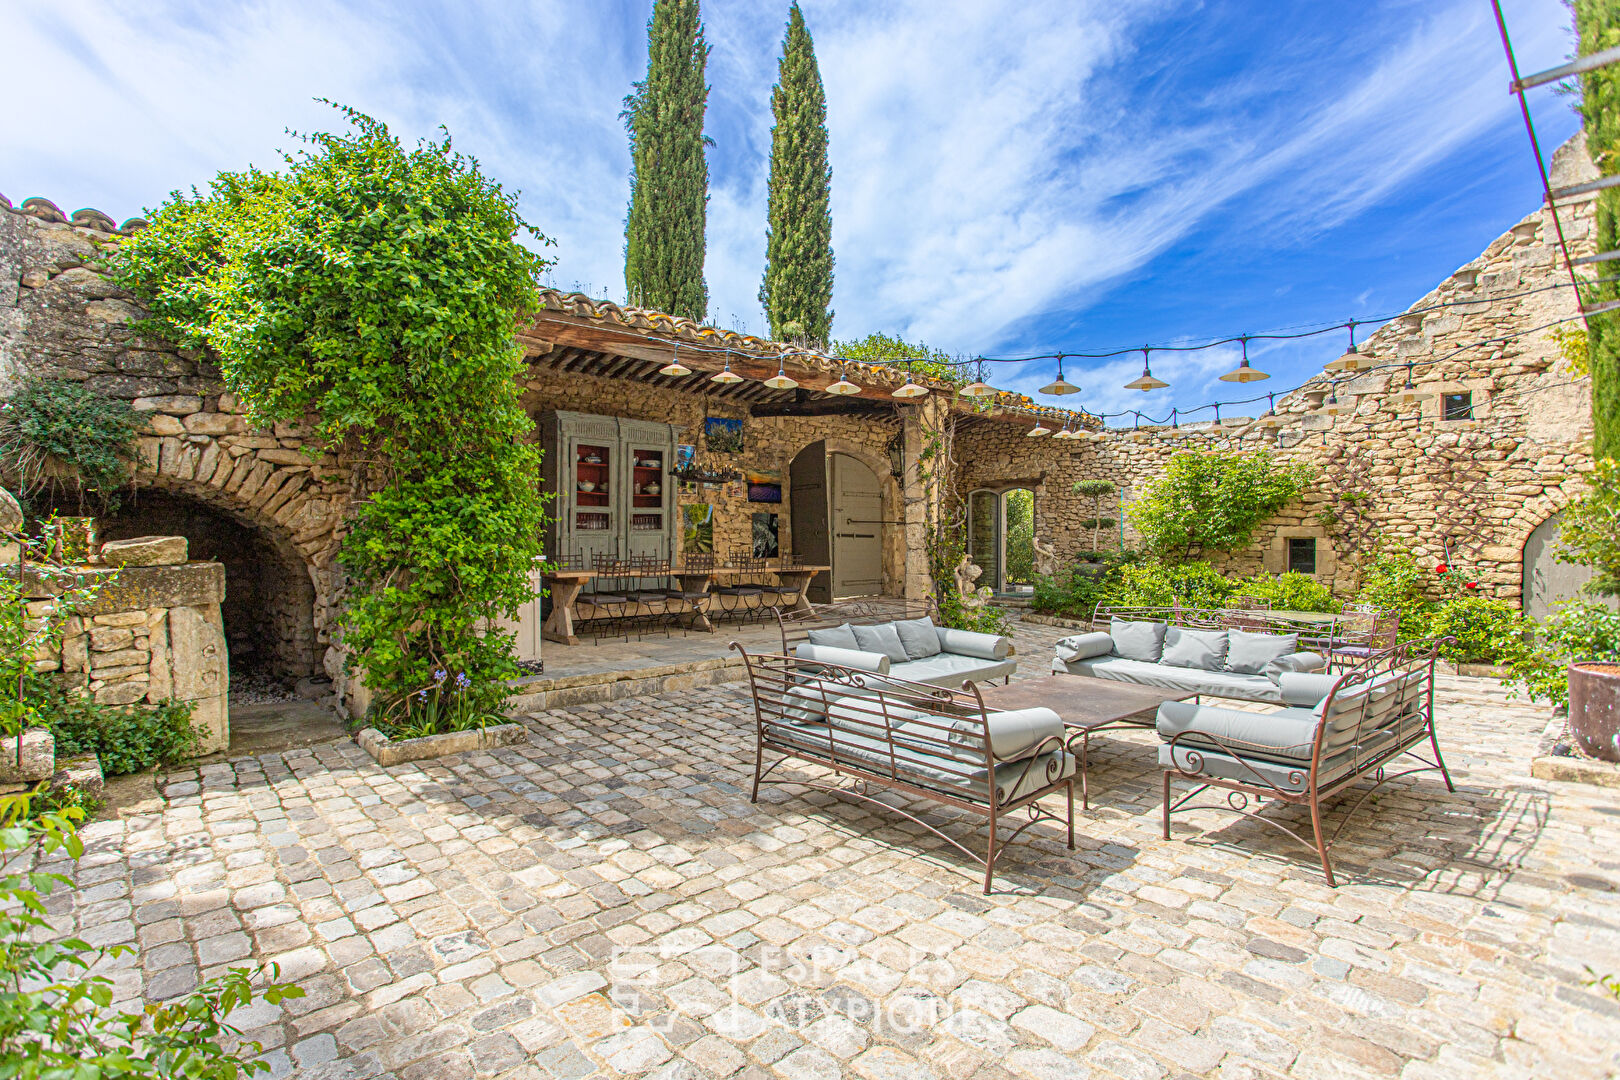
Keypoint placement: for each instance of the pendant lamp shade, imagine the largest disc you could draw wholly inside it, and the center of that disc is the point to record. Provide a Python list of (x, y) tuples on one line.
[(780, 381), (843, 385), (1146, 381), (910, 389), (725, 376), (1038, 430), (1351, 360), (1243, 373), (1060, 385), (978, 388), (675, 367)]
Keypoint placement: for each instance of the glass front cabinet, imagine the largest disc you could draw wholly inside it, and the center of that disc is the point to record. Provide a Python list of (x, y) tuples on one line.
[(614, 494)]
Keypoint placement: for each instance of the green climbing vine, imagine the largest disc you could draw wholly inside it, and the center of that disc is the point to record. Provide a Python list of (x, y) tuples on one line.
[(56, 433), (374, 289)]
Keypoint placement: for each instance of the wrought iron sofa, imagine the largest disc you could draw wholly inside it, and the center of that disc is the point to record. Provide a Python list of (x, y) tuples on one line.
[(930, 742), (1373, 714), (936, 655), (1106, 652)]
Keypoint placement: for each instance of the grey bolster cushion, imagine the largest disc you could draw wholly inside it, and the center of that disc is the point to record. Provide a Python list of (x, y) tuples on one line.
[(1300, 661), (1084, 646), (1306, 688), (971, 643), (850, 658), (1014, 734)]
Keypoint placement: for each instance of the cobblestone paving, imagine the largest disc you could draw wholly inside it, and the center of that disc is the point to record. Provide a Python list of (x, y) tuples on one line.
[(605, 901)]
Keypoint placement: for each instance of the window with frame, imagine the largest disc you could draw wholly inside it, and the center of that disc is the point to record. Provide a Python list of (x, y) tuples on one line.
[(1302, 555), (1457, 406)]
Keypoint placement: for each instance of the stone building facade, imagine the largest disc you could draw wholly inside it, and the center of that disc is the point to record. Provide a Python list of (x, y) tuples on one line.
[(1392, 469)]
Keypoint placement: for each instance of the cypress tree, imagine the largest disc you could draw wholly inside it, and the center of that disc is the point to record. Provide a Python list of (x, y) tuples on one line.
[(798, 240), (669, 175), (1598, 25)]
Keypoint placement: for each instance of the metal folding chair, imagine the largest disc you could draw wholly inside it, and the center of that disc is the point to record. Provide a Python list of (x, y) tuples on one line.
[(610, 609)]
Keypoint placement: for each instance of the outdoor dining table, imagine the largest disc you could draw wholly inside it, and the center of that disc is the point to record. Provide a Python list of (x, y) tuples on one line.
[(566, 585)]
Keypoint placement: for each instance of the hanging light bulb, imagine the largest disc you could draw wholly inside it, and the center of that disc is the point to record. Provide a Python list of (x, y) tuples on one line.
[(1038, 430), (843, 385), (1243, 372), (780, 381), (1147, 381), (910, 389), (1331, 406), (1409, 392), (725, 376), (1064, 432), (978, 387), (1060, 385), (1351, 360), (675, 367)]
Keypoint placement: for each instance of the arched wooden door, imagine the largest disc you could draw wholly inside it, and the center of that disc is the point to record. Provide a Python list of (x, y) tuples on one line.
[(856, 524), (807, 515)]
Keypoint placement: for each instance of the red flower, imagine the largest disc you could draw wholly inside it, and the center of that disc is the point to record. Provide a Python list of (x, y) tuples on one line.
[(1442, 568), (1472, 585)]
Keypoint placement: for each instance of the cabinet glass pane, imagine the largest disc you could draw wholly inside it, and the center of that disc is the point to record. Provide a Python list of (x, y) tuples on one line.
[(593, 472), (648, 484)]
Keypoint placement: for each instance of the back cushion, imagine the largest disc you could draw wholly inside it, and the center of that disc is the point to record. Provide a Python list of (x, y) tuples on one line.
[(839, 637), (1248, 653), (1201, 649), (1137, 640), (883, 638), (919, 637)]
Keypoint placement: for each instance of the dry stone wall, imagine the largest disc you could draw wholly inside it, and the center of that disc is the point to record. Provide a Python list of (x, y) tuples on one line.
[(152, 633), (1391, 470)]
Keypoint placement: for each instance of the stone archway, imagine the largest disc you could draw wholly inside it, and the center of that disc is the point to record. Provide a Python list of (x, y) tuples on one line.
[(269, 603)]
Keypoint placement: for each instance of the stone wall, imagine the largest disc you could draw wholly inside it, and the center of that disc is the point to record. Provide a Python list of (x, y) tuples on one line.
[(1469, 492), (152, 633)]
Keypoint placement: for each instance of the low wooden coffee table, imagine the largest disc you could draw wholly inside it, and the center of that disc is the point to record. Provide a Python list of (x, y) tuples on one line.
[(1085, 705)]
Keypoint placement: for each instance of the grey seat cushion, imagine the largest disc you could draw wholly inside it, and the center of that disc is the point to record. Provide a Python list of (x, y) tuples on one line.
[(1192, 680), (919, 636), (882, 638), (839, 637), (1203, 649), (951, 670), (1306, 688), (1286, 733), (896, 760), (1138, 640), (1248, 653)]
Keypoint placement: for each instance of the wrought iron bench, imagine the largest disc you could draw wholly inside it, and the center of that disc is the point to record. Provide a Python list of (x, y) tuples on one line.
[(924, 741), (1373, 714)]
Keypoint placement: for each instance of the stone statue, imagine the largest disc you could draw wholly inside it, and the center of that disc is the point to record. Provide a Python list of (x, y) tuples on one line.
[(966, 575), (1046, 558)]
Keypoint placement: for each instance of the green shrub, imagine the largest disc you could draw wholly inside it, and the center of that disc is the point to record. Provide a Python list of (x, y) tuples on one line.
[(1395, 581), (377, 289), (1486, 629), (1589, 534), (127, 738), (59, 421), (56, 1019), (1289, 592), (987, 619), (1578, 630), (1211, 502), (1157, 584)]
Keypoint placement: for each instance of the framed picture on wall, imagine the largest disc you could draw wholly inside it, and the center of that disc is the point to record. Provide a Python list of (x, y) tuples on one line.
[(765, 546), (697, 529), (764, 486), (723, 434), (685, 457)]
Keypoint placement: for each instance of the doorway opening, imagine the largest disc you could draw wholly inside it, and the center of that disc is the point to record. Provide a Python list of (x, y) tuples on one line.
[(269, 598), (835, 503), (807, 516), (1001, 538)]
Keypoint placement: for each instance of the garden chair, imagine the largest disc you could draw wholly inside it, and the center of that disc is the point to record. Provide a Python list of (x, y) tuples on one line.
[(610, 610), (1363, 630), (742, 598)]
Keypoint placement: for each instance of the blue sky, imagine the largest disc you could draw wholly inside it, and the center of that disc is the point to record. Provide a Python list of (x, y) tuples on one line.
[(1009, 177)]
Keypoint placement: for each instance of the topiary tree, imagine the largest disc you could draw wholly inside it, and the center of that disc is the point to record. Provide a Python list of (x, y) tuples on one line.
[(1096, 491), (1213, 502), (376, 289)]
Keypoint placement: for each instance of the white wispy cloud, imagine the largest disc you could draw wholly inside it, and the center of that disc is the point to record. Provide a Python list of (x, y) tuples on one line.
[(994, 163)]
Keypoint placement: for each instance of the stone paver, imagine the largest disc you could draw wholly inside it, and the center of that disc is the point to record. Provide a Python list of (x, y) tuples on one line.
[(605, 901)]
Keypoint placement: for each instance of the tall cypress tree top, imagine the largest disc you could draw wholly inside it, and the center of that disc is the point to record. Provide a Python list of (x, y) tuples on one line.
[(797, 291), (669, 179)]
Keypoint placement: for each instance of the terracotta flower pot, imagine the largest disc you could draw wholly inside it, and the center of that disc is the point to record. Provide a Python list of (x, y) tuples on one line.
[(1594, 708)]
